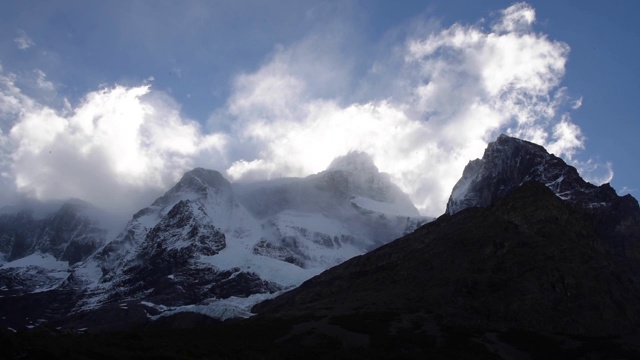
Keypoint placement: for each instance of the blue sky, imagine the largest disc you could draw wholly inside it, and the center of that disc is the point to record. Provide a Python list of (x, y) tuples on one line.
[(111, 101)]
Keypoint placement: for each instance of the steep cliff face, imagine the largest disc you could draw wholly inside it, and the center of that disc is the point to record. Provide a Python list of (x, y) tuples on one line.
[(68, 233), (37, 250), (508, 162)]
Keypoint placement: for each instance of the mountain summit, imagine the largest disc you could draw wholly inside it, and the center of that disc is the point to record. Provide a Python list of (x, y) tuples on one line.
[(525, 244), (214, 247), (356, 161), (367, 182), (199, 181), (509, 162)]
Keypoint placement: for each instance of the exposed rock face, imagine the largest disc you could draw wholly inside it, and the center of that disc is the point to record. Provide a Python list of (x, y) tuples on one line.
[(66, 234), (17, 234), (525, 243), (36, 251), (166, 268), (222, 248), (531, 261), (170, 249), (508, 162)]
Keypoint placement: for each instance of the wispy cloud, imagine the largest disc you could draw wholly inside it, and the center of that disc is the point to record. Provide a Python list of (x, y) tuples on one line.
[(455, 89), (577, 104), (626, 190), (516, 18), (23, 41), (42, 82), (595, 171), (432, 100)]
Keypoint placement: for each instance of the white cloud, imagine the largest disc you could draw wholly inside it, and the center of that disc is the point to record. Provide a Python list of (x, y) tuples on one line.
[(432, 104), (461, 86), (626, 190), (516, 18), (118, 148), (595, 172), (567, 138), (23, 41)]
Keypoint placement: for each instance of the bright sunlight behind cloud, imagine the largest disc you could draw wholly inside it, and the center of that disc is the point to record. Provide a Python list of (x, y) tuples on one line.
[(463, 85), (118, 143), (455, 89)]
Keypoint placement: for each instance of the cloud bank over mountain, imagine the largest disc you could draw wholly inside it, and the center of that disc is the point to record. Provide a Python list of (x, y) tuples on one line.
[(422, 102), (117, 148)]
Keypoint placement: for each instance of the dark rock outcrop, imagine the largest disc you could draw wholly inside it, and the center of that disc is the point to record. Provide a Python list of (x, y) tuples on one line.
[(509, 162), (66, 234), (531, 262)]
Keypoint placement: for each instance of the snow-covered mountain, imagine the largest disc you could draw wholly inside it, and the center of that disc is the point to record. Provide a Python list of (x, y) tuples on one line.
[(218, 248), (39, 243), (68, 233)]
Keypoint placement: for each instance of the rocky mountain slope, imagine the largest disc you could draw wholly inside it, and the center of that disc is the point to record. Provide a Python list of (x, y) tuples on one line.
[(508, 162), (531, 262), (37, 250), (68, 233), (525, 244), (522, 266), (212, 247)]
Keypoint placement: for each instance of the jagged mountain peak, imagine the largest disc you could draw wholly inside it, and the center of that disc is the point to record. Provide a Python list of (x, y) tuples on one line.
[(196, 183), (507, 163), (504, 142), (356, 175), (200, 178), (355, 161)]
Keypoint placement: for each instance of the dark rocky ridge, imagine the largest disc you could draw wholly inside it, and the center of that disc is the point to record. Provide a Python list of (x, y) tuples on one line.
[(165, 269), (531, 262), (508, 162)]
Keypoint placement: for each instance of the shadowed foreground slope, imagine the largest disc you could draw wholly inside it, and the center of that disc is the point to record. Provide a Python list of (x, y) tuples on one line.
[(527, 278), (532, 262)]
